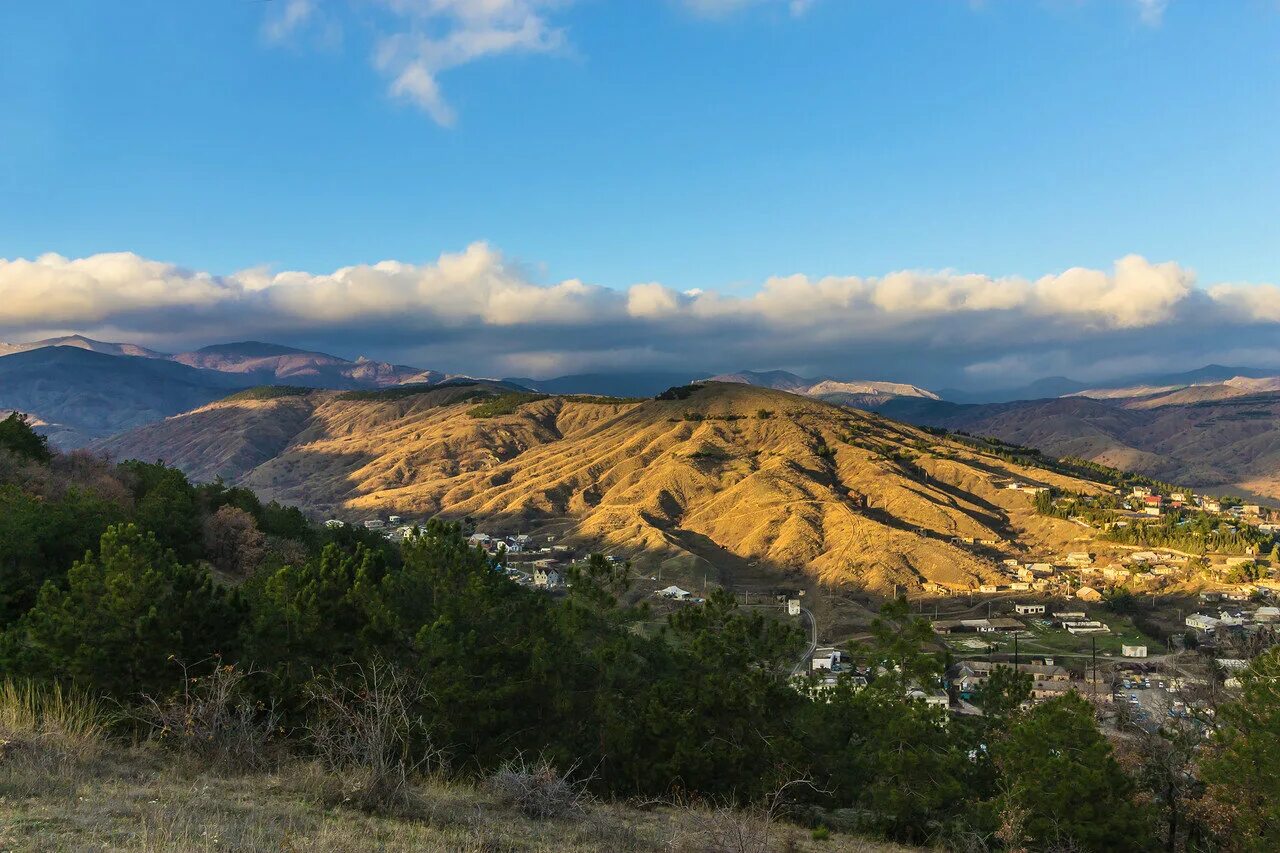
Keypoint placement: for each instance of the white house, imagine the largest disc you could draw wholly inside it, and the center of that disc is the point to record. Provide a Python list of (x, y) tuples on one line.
[(333, 523), (1133, 651), (1201, 622), (829, 658), (1267, 614), (1029, 609), (546, 578), (675, 592)]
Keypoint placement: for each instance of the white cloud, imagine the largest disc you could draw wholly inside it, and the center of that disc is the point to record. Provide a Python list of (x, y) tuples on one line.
[(492, 313), (291, 16), (721, 8), (447, 34), (1152, 11)]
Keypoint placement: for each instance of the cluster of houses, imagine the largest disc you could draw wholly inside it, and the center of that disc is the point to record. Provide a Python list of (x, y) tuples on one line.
[(1049, 680), (1242, 620), (1146, 500), (1072, 621), (830, 664)]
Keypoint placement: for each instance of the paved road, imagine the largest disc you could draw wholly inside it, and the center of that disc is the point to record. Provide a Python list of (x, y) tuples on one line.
[(802, 665)]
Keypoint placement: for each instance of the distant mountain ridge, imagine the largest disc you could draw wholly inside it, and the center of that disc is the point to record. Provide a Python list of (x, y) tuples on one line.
[(857, 393), (260, 363), (79, 390)]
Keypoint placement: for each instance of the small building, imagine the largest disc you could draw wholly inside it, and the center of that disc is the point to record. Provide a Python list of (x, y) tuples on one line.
[(1079, 558), (829, 658), (546, 578), (334, 523), (1201, 622), (1029, 609), (1133, 651), (1267, 614), (793, 607), (676, 593), (374, 524), (1088, 593)]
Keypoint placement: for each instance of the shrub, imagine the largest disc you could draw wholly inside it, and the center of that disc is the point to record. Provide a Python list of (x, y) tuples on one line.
[(536, 790), (214, 719), (365, 727), (504, 404), (764, 414), (679, 392), (269, 392)]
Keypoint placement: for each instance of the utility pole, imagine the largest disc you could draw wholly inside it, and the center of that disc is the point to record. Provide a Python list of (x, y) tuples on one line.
[(1093, 651), (1015, 651)]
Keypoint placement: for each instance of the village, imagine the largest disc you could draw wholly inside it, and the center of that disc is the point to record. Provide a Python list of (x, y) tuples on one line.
[(1146, 633)]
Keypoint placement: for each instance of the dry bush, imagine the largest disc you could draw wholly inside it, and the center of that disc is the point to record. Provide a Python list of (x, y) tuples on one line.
[(536, 789), (364, 728), (215, 719), (726, 828)]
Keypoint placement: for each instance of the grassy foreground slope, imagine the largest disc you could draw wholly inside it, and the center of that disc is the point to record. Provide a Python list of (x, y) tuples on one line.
[(75, 790), (728, 475)]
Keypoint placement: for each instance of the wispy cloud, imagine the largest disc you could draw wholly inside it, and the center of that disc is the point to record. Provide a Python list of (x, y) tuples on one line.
[(1152, 11), (721, 8), (446, 34), (288, 19)]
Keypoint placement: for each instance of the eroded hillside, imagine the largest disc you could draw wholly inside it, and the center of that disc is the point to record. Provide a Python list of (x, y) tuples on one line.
[(757, 483)]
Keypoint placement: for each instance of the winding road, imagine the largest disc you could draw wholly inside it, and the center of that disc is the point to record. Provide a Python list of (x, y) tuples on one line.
[(802, 665)]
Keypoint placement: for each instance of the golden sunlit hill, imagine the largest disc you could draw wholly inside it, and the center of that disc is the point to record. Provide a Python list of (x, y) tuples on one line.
[(751, 485)]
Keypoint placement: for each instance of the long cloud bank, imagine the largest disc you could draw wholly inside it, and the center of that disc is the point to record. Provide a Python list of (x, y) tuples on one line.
[(475, 310)]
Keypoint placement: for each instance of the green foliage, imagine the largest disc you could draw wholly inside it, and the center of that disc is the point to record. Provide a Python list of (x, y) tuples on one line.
[(601, 400), (39, 539), (678, 392), (764, 414), (17, 437), (1243, 767), (1002, 695), (397, 392), (505, 404), (124, 614), (269, 392), (1062, 785)]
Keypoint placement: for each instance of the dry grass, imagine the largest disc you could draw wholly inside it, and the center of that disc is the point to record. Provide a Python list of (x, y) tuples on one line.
[(151, 800), (46, 735), (727, 487)]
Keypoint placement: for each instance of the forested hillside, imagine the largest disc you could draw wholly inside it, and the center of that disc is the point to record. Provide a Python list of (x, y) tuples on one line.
[(233, 631)]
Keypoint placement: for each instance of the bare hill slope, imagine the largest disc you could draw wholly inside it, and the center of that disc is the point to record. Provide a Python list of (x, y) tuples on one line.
[(754, 482)]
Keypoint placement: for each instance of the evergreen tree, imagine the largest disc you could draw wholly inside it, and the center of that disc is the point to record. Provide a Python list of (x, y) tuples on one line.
[(17, 437), (1062, 785), (1243, 770), (125, 613)]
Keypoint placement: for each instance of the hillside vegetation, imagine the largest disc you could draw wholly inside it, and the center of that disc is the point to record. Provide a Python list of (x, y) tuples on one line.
[(1215, 438), (256, 682), (745, 480)]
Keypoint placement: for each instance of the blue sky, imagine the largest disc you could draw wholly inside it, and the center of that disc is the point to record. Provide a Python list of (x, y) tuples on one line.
[(664, 141)]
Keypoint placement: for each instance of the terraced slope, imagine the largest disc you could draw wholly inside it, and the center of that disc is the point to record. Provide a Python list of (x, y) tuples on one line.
[(754, 482)]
